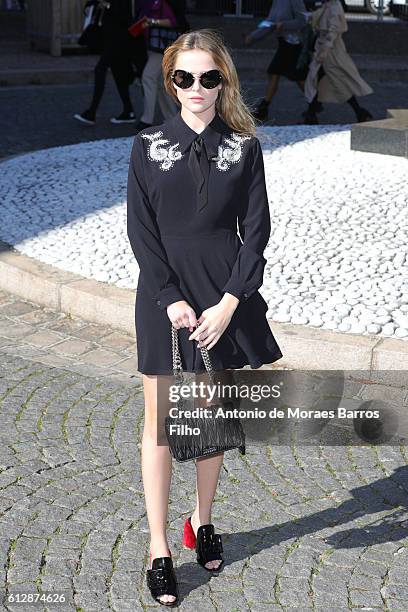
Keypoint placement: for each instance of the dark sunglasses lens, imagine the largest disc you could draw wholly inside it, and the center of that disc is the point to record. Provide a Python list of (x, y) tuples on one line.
[(210, 79), (183, 79)]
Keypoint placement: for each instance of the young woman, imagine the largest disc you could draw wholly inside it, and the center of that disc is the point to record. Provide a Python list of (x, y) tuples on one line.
[(190, 180), (333, 76)]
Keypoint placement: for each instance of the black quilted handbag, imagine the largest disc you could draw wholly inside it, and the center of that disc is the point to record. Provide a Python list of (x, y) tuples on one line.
[(216, 434)]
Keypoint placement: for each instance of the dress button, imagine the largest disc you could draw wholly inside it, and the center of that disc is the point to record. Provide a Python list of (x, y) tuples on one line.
[(245, 295), (158, 302)]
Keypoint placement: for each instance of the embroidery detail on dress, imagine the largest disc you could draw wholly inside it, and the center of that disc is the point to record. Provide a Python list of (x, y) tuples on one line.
[(228, 155), (159, 153)]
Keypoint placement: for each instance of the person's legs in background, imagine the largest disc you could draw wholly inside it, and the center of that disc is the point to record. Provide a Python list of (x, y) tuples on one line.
[(362, 114), (89, 116), (150, 83), (168, 106), (101, 70), (314, 107), (261, 111), (123, 75)]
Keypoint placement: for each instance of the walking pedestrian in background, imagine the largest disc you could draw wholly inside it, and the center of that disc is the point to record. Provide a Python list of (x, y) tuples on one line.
[(118, 49), (333, 76), (165, 22), (287, 18)]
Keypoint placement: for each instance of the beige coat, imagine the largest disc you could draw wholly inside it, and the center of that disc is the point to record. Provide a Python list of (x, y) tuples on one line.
[(342, 79)]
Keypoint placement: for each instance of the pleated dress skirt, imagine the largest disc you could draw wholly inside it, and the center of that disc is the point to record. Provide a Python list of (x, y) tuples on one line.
[(203, 263)]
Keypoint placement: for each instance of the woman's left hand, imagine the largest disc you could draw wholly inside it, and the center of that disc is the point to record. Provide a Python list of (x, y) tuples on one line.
[(212, 324)]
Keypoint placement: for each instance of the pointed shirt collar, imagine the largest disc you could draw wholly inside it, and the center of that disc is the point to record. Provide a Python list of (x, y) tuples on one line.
[(212, 133)]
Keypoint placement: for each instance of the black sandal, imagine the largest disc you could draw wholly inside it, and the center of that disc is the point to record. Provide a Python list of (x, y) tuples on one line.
[(161, 580), (209, 547)]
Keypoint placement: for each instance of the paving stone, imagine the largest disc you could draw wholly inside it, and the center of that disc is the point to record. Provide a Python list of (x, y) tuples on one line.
[(14, 329), (73, 509), (397, 605), (127, 365), (43, 339), (71, 347), (117, 341), (365, 599), (17, 308), (397, 591), (67, 325), (101, 357), (41, 315)]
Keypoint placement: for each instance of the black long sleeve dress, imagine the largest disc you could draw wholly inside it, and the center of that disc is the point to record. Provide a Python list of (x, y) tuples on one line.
[(184, 237)]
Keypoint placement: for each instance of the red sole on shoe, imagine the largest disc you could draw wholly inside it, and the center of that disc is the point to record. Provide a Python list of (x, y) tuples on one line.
[(189, 538)]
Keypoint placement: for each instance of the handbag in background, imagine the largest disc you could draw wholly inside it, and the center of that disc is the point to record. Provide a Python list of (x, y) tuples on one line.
[(136, 28), (91, 36)]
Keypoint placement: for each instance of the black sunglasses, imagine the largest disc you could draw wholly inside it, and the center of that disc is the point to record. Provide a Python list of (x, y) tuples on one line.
[(208, 80)]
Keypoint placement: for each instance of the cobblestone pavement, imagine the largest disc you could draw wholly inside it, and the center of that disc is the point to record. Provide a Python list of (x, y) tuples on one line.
[(327, 527), (37, 117)]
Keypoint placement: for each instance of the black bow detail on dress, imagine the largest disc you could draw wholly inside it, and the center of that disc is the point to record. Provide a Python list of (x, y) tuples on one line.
[(199, 167)]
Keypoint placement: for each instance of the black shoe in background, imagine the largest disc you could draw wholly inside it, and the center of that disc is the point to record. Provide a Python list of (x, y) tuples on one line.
[(124, 118), (87, 117), (310, 118), (363, 115), (261, 110)]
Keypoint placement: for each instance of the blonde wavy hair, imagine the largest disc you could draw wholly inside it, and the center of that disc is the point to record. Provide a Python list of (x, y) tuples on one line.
[(229, 104)]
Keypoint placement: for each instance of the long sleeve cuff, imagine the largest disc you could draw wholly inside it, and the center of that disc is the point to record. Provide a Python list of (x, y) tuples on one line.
[(167, 296)]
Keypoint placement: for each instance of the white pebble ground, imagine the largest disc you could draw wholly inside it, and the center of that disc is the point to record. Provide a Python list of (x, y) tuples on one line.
[(337, 257)]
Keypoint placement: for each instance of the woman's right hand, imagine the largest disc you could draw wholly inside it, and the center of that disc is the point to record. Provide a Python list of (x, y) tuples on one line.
[(182, 315)]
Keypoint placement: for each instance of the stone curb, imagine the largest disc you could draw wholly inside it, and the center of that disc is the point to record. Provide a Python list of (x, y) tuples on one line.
[(303, 347)]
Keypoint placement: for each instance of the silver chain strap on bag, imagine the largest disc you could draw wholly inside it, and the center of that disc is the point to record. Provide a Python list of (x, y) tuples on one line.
[(177, 369)]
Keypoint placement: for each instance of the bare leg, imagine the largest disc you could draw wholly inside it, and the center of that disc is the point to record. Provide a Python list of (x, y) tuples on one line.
[(208, 471), (156, 475)]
